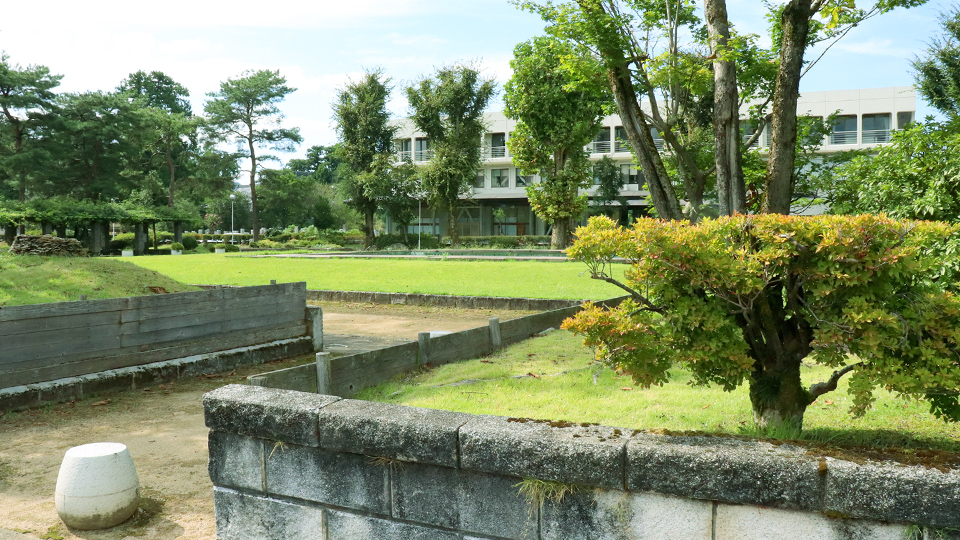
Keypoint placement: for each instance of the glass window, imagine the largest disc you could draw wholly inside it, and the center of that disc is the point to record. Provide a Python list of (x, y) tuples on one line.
[(422, 149), (844, 130), (601, 143), (498, 145), (621, 144), (876, 128), (904, 119), (499, 178), (480, 181), (657, 138), (405, 149), (629, 173), (523, 180)]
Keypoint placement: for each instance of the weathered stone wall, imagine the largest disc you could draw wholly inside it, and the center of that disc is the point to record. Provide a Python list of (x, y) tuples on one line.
[(46, 245), (295, 465)]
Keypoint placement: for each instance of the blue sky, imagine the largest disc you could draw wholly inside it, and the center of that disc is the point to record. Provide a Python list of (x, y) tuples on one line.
[(320, 45)]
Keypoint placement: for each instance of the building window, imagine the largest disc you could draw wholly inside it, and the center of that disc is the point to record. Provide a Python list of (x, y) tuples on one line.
[(747, 129), (523, 180), (499, 178), (422, 149), (876, 128), (600, 143), (628, 173), (844, 130), (480, 181), (405, 149), (497, 147), (621, 144), (657, 138), (904, 119)]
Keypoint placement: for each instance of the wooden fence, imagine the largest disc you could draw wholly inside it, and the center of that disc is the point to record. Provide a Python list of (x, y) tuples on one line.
[(43, 342)]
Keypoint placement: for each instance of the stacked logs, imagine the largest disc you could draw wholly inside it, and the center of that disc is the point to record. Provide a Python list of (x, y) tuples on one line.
[(46, 245)]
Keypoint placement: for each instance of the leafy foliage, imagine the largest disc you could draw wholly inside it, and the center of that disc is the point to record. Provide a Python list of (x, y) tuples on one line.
[(748, 298), (938, 73)]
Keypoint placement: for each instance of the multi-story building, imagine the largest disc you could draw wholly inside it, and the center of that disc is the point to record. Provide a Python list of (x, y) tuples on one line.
[(498, 200)]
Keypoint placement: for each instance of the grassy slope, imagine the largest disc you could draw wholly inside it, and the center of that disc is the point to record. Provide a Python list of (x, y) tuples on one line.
[(472, 278), (565, 391), (36, 280)]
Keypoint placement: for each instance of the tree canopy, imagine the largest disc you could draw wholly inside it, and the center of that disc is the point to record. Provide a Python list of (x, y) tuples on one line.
[(556, 117), (747, 298), (246, 111), (448, 109)]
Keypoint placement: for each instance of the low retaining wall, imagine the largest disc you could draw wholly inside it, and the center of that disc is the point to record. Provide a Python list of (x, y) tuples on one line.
[(439, 300), (295, 465), (346, 375)]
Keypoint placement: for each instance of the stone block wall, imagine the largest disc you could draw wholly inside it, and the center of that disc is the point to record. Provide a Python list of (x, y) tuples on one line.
[(288, 464)]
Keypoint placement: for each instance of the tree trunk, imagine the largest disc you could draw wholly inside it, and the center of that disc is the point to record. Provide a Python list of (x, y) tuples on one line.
[(561, 234), (731, 190), (452, 230), (779, 398), (253, 184), (368, 238), (778, 184)]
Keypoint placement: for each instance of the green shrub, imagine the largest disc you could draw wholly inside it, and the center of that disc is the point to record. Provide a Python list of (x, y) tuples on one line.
[(190, 242), (281, 238), (231, 248), (122, 241), (386, 240), (176, 246)]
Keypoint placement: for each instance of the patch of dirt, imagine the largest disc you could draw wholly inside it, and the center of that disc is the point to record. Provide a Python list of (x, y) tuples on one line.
[(163, 428)]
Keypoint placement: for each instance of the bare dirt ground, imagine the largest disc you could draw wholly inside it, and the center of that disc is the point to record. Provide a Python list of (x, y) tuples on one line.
[(163, 428)]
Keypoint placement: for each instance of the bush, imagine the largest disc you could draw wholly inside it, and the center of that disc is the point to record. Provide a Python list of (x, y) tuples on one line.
[(121, 242), (176, 246), (386, 240), (190, 242), (231, 248)]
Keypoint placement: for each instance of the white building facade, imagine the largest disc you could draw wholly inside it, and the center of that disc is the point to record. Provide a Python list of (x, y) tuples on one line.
[(498, 204)]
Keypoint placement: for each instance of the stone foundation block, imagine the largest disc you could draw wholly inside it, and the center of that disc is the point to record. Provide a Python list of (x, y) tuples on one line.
[(558, 451), (247, 517), (598, 514), (393, 431), (758, 523), (235, 461), (344, 526), (279, 415), (345, 480), (467, 501)]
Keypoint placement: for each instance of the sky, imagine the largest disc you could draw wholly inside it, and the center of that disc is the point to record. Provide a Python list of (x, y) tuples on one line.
[(320, 45)]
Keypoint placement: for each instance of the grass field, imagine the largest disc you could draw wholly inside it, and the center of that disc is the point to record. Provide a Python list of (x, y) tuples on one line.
[(552, 377), (34, 280), (556, 280)]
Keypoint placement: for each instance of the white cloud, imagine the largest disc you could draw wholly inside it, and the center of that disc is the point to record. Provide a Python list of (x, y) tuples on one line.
[(876, 47)]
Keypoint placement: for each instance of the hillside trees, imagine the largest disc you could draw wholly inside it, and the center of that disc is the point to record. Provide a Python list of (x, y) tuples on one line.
[(747, 298), (366, 139), (448, 109), (245, 110), (556, 118)]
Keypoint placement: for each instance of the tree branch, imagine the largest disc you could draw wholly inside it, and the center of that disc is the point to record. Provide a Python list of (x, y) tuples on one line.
[(821, 388), (650, 306)]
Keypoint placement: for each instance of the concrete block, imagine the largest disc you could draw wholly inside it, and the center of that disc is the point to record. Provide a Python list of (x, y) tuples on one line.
[(468, 501), (248, 517), (757, 523), (344, 526), (267, 413), (314, 317), (617, 515), (724, 469), (894, 493), (558, 451), (344, 480), (235, 461), (393, 431)]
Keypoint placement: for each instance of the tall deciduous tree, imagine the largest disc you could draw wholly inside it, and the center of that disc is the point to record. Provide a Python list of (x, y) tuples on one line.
[(363, 124), (556, 117), (25, 94), (448, 109), (938, 72), (246, 111)]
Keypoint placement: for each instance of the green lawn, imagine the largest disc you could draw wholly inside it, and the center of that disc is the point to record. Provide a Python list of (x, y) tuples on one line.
[(564, 389), (26, 279), (526, 279)]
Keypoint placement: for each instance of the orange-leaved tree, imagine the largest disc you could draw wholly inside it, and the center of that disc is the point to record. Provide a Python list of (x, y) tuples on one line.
[(747, 298)]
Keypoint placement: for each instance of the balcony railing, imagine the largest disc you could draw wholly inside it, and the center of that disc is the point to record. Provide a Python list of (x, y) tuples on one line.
[(405, 155), (843, 137), (599, 147), (494, 152), (658, 143), (872, 136), (621, 146), (422, 155)]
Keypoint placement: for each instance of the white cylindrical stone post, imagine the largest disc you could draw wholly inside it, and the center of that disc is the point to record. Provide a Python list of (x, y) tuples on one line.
[(97, 486)]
